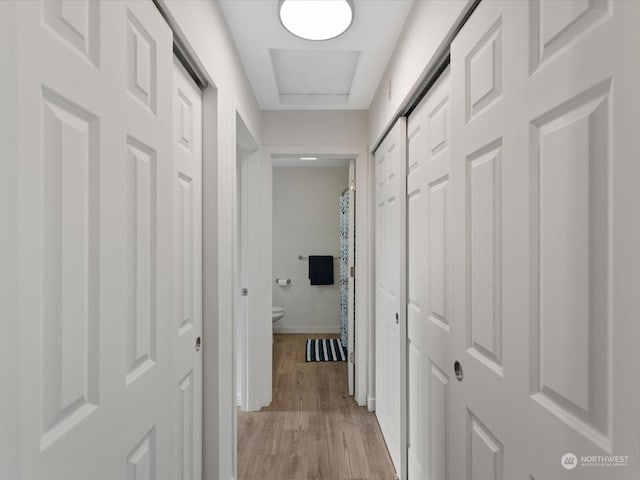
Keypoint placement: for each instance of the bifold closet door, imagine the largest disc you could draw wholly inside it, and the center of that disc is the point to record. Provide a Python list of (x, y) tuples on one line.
[(390, 326), (428, 286), (545, 265), (187, 324)]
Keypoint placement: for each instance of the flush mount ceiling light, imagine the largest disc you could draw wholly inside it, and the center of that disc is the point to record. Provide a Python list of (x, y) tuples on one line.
[(316, 19)]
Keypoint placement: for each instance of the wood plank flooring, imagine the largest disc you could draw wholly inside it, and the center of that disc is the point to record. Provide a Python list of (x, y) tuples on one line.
[(313, 429)]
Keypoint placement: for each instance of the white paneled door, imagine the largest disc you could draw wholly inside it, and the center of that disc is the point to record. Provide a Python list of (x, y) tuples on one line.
[(489, 222), (545, 234), (390, 331), (428, 284), (101, 370), (187, 327), (522, 257)]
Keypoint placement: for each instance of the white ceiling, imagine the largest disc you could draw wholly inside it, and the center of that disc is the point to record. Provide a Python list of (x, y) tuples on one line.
[(287, 72)]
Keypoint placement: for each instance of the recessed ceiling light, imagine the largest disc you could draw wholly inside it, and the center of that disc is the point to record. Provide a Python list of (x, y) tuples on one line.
[(308, 158), (316, 19)]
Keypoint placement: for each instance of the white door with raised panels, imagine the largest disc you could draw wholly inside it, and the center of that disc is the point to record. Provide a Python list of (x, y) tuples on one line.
[(99, 362), (390, 334), (545, 234), (187, 324), (428, 284)]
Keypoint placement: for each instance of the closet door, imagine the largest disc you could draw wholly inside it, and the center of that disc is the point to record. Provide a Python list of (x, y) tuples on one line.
[(489, 205), (390, 326), (428, 287), (546, 266), (95, 224), (187, 324), (582, 106)]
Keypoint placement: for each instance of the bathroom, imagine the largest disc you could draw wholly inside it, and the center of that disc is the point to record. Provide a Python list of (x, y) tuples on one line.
[(311, 217)]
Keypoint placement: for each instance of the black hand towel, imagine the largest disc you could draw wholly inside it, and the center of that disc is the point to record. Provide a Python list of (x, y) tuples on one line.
[(321, 269)]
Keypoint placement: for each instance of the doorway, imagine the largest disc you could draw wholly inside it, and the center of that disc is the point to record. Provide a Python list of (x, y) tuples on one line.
[(311, 217), (361, 181), (250, 313)]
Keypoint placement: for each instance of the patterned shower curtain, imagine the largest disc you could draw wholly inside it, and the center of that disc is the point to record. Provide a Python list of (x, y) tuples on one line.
[(344, 266)]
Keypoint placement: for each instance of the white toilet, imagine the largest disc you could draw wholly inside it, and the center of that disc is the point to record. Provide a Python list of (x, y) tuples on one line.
[(276, 313)]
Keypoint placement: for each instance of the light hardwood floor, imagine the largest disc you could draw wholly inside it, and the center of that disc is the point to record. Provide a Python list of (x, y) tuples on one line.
[(313, 429)]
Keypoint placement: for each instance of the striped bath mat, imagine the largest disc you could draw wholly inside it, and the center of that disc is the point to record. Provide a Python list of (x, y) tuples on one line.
[(325, 350)]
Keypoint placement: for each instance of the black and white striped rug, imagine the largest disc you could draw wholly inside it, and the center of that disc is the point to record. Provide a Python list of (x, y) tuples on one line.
[(325, 350)]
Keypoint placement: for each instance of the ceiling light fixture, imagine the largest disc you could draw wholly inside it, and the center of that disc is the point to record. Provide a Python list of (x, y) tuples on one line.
[(316, 19), (308, 158)]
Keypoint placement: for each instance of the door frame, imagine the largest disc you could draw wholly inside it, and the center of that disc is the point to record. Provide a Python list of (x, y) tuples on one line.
[(251, 371), (363, 388), (219, 411)]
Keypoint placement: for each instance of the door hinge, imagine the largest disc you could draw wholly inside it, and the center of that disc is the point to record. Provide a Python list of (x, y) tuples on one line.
[(351, 358), (245, 292), (352, 271)]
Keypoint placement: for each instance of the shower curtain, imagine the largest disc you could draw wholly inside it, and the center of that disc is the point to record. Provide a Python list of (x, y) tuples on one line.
[(344, 266)]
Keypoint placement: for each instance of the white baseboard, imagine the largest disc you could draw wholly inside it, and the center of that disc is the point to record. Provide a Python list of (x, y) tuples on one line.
[(305, 329), (371, 403)]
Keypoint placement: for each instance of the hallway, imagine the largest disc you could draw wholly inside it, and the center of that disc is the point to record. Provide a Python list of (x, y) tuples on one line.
[(313, 429), (463, 174)]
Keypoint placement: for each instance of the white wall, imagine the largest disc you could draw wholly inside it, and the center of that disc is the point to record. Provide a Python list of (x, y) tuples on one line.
[(305, 222), (205, 31), (314, 127), (427, 25)]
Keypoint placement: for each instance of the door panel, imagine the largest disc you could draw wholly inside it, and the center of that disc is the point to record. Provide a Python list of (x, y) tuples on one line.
[(390, 331), (428, 212), (187, 175), (484, 190), (573, 232), (70, 270), (95, 233), (487, 75), (142, 202), (580, 149), (98, 289), (542, 318)]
